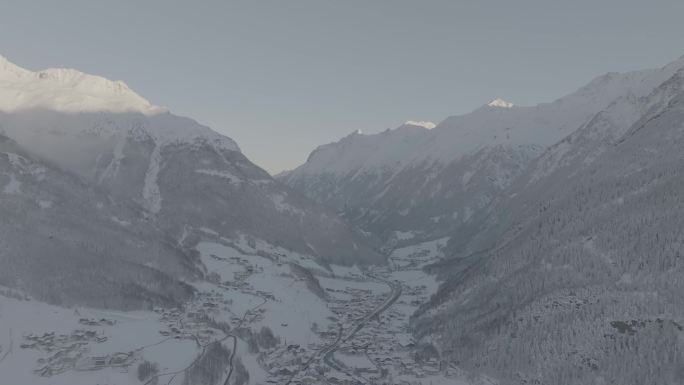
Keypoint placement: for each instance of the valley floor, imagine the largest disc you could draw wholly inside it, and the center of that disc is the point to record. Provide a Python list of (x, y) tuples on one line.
[(281, 324)]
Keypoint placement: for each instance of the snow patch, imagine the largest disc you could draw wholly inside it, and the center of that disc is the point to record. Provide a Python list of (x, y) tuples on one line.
[(120, 222), (282, 206), (13, 186), (220, 174), (466, 177), (498, 102), (421, 123), (113, 167), (404, 235), (209, 231), (151, 193)]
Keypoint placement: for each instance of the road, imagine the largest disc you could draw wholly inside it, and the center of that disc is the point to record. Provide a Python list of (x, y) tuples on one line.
[(329, 356), (204, 350), (230, 362), (328, 352), (11, 346), (234, 350)]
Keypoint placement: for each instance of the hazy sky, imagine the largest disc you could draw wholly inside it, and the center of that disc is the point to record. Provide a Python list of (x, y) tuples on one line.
[(283, 76)]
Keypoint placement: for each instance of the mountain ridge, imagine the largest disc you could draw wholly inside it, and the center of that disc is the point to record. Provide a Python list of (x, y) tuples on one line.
[(363, 176), (572, 254), (67, 90)]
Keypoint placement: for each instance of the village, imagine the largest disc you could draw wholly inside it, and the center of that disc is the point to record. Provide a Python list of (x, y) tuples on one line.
[(365, 339), (379, 350), (203, 320)]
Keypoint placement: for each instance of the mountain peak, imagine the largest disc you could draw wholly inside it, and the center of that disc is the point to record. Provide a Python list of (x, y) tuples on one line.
[(9, 69), (498, 102), (354, 133), (66, 90)]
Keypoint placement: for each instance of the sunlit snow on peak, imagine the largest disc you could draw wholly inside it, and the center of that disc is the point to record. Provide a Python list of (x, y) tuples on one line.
[(424, 124), (498, 102), (66, 90)]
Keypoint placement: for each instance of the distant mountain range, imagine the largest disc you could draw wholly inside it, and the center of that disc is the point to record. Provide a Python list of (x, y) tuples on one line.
[(414, 183)]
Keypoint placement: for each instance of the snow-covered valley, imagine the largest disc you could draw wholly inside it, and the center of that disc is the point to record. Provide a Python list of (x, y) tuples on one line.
[(282, 317), (512, 245)]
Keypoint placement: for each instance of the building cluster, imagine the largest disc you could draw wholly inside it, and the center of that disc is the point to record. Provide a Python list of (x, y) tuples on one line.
[(63, 352)]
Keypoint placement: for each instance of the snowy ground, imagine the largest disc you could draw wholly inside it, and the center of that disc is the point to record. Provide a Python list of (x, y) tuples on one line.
[(136, 332), (338, 322), (370, 340)]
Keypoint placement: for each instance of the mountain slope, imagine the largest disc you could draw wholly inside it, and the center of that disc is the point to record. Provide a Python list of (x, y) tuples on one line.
[(186, 175), (578, 273), (135, 168), (65, 242), (413, 183)]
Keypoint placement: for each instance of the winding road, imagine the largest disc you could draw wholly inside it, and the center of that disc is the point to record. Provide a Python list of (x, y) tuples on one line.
[(234, 350), (329, 351), (204, 349), (11, 346), (329, 356)]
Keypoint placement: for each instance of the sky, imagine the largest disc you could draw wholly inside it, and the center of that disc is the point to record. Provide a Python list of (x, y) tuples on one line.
[(282, 77)]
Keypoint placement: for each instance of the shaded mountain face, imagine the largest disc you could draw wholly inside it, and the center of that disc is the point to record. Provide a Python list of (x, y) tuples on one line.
[(404, 200), (140, 186), (581, 268), (412, 183), (66, 242)]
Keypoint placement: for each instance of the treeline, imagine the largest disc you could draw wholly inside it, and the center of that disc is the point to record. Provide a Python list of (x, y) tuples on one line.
[(210, 368)]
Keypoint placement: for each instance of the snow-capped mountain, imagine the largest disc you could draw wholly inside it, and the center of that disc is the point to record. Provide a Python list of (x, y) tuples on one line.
[(66, 90), (414, 183), (187, 181)]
